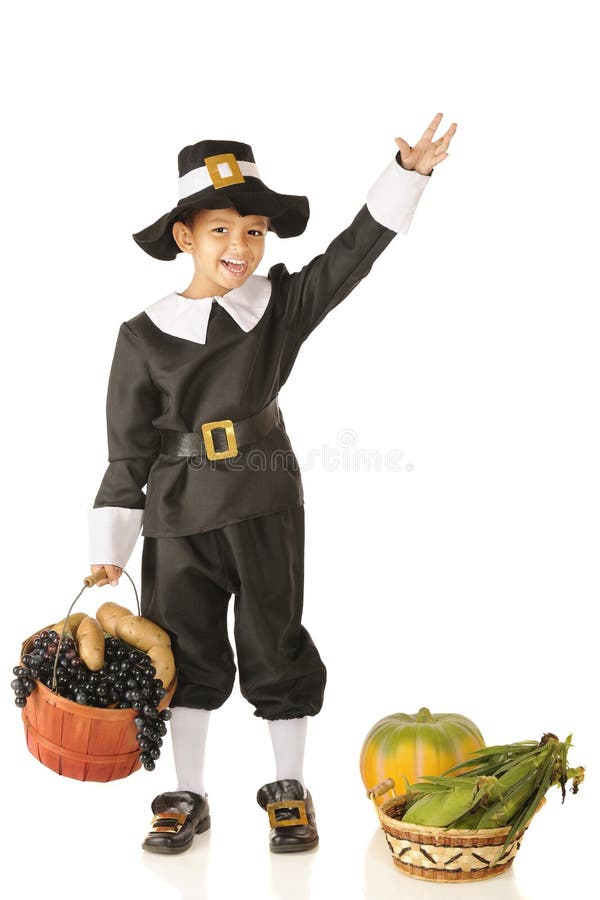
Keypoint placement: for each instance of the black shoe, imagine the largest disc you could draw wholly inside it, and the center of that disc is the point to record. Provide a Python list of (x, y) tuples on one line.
[(291, 814), (178, 816)]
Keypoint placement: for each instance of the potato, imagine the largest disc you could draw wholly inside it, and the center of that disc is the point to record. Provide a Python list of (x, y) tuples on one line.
[(164, 663), (141, 632), (108, 615), (90, 643), (75, 619)]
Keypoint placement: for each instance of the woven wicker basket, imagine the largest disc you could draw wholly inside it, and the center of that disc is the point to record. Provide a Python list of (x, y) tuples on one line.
[(442, 854)]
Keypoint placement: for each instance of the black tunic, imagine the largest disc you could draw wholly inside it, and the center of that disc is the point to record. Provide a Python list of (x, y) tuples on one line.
[(158, 380)]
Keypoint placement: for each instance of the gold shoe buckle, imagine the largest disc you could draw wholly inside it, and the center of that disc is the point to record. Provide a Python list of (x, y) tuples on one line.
[(179, 819), (287, 804), (232, 448)]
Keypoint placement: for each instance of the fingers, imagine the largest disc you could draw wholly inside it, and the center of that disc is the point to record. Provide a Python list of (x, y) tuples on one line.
[(444, 141), (95, 568), (113, 574), (403, 146), (440, 146), (436, 158), (430, 130)]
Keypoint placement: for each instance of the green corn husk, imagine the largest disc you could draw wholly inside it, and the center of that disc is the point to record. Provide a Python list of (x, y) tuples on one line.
[(517, 786), (555, 771), (439, 808), (469, 821), (447, 799), (432, 785), (492, 760), (503, 785)]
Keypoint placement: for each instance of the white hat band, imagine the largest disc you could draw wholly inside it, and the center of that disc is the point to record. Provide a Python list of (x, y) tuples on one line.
[(200, 178)]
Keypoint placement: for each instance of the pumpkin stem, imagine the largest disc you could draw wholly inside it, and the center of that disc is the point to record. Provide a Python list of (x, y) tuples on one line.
[(424, 715)]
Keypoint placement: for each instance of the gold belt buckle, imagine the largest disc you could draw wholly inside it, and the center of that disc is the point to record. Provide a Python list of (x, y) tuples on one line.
[(232, 449), (179, 819), (287, 804)]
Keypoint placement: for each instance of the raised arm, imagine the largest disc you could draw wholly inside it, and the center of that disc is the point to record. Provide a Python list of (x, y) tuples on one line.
[(390, 204)]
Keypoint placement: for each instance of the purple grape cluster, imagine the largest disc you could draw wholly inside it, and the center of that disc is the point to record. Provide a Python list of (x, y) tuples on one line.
[(125, 681)]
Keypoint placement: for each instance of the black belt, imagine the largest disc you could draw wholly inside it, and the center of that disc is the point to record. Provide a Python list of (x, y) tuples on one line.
[(229, 438)]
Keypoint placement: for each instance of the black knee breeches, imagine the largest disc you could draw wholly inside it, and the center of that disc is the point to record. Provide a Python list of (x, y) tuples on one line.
[(187, 583)]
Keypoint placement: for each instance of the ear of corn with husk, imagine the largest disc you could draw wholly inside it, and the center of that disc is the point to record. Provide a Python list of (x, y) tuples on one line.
[(502, 785)]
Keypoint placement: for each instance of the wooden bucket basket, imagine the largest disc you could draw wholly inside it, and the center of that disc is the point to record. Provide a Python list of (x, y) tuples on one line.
[(84, 742)]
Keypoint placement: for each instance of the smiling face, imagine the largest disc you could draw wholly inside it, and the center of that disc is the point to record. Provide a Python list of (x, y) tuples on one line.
[(225, 246)]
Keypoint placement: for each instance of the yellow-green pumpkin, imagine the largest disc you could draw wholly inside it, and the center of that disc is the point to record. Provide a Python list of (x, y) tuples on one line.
[(403, 745)]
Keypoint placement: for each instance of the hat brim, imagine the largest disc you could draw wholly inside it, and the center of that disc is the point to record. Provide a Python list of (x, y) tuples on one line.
[(288, 214)]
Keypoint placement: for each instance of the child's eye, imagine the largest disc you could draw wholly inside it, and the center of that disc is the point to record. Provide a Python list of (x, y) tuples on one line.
[(250, 230)]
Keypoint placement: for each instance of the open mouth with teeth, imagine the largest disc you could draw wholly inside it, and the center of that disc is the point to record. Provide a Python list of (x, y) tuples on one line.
[(235, 266)]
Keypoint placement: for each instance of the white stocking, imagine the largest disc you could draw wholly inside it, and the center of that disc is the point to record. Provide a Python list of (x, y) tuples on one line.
[(289, 737), (188, 735)]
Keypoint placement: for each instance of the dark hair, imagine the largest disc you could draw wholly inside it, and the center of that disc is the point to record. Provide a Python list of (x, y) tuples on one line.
[(188, 217)]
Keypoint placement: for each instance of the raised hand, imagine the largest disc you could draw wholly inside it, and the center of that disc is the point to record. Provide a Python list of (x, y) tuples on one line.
[(426, 153)]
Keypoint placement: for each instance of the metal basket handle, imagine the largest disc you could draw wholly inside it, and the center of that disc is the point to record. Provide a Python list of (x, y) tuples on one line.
[(94, 577), (88, 581)]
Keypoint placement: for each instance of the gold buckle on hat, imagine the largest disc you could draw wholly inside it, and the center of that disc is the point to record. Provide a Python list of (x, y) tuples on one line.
[(232, 448), (230, 162), (178, 818), (287, 804)]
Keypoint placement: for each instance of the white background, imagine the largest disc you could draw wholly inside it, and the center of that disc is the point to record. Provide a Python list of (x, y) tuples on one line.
[(466, 581)]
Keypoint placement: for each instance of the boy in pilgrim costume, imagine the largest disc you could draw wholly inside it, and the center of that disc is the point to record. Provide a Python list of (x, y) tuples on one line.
[(192, 412)]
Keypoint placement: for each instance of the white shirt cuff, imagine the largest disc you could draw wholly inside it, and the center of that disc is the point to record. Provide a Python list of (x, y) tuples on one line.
[(113, 531), (394, 197)]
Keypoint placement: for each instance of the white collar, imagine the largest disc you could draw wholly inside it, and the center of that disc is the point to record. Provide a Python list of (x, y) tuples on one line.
[(187, 318)]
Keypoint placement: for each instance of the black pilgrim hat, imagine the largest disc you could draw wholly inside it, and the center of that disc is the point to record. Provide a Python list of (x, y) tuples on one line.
[(219, 174)]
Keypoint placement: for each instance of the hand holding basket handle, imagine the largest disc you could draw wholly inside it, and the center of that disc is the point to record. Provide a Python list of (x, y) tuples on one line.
[(111, 575)]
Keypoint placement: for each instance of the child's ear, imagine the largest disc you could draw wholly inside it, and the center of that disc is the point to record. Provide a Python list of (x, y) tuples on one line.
[(182, 236)]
